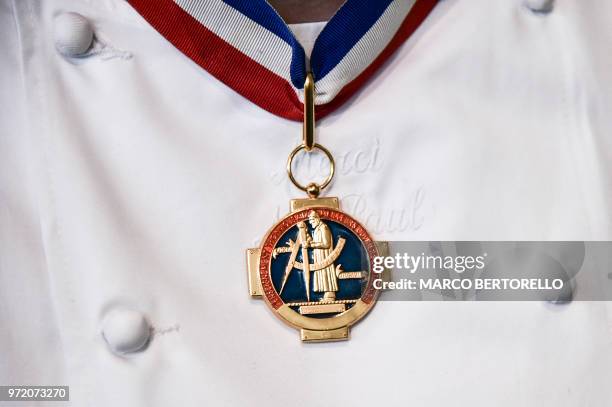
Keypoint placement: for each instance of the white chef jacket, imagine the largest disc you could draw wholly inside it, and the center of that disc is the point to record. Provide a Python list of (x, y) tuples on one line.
[(134, 179)]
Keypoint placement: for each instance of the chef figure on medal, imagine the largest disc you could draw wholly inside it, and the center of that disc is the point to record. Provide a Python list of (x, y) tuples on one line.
[(322, 245)]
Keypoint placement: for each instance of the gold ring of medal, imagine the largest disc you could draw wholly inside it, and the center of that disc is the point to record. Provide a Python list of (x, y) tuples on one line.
[(308, 144)]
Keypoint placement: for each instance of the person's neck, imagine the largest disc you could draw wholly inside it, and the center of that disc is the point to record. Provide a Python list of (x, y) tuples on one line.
[(306, 11)]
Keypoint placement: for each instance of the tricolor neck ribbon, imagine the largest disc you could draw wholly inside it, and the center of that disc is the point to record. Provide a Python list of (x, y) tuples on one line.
[(246, 45)]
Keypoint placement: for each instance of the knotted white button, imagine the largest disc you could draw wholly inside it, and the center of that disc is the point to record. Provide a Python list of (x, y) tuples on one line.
[(73, 34), (125, 330), (539, 6)]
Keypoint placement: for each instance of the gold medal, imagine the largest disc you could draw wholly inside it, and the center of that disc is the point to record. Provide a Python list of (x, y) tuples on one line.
[(314, 268)]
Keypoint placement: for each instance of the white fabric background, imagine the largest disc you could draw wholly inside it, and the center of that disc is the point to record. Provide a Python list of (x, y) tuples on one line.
[(140, 182)]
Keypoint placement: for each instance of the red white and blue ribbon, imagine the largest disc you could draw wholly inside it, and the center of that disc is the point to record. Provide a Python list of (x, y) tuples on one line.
[(247, 45)]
